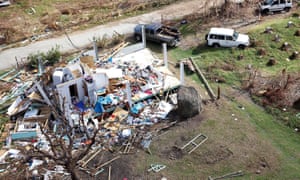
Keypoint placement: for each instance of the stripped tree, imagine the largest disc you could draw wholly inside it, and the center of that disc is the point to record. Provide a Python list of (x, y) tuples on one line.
[(61, 144)]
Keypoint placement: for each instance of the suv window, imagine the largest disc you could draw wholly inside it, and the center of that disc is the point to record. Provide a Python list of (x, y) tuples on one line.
[(275, 2), (229, 38), (221, 37), (212, 36)]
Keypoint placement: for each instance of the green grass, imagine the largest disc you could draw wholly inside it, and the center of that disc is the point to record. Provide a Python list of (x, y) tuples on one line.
[(270, 123), (283, 138)]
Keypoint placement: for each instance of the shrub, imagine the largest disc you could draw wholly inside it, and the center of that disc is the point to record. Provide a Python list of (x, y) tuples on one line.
[(49, 58), (117, 38)]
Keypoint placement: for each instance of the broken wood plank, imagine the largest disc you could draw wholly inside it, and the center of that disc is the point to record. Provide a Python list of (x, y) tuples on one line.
[(107, 162), (92, 157), (202, 77), (6, 74), (229, 175), (128, 145), (109, 172), (86, 156), (193, 142)]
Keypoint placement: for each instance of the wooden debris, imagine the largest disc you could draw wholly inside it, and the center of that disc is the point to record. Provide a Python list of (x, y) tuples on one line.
[(114, 51), (271, 62), (88, 60), (268, 30), (285, 46), (202, 77), (295, 55), (128, 145), (188, 64), (156, 167), (229, 175), (107, 162), (240, 57), (290, 24), (195, 142), (297, 33), (276, 38), (261, 52), (109, 172), (92, 157)]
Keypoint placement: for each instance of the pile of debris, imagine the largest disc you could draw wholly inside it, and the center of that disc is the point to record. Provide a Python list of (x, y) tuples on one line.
[(280, 91), (63, 118)]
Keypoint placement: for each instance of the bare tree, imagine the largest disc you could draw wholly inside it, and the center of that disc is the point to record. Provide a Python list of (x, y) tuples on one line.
[(61, 149)]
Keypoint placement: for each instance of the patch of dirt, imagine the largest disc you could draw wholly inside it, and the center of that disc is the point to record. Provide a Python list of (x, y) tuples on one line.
[(120, 168), (173, 153), (218, 154), (190, 41)]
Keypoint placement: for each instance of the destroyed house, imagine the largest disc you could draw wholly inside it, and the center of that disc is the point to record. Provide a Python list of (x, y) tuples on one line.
[(116, 97), (127, 78)]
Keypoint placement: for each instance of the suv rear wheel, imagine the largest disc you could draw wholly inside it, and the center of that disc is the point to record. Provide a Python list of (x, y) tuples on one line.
[(286, 9), (265, 11), (242, 46), (216, 45)]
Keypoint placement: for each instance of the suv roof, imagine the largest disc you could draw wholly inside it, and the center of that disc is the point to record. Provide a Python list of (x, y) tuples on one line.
[(223, 31)]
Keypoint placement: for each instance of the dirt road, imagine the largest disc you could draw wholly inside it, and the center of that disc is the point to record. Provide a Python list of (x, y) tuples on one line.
[(83, 38)]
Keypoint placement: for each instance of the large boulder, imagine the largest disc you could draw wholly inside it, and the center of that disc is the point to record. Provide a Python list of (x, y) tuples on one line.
[(189, 102)]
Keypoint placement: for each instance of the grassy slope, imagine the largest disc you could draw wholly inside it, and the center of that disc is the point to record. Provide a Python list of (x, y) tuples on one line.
[(285, 143), (285, 140)]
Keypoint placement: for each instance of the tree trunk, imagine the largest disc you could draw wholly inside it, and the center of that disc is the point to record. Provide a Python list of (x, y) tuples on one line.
[(71, 168)]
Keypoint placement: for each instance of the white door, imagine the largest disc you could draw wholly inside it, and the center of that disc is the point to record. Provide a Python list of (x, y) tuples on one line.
[(275, 6), (230, 42)]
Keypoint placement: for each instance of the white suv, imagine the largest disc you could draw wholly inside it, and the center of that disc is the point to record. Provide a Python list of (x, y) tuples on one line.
[(226, 38)]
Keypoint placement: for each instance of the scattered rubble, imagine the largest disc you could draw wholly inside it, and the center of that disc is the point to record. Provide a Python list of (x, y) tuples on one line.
[(229, 175), (294, 56), (290, 24), (261, 52), (87, 107), (194, 143), (268, 30), (285, 46), (156, 167), (279, 91), (277, 38), (271, 62)]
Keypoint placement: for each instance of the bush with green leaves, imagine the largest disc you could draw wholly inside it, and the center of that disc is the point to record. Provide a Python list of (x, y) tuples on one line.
[(49, 58)]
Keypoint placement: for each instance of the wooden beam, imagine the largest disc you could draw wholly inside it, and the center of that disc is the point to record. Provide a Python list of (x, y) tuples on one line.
[(203, 79)]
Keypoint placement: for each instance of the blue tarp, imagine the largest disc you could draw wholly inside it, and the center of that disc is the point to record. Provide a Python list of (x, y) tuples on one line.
[(99, 107), (137, 107), (24, 135), (80, 105)]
